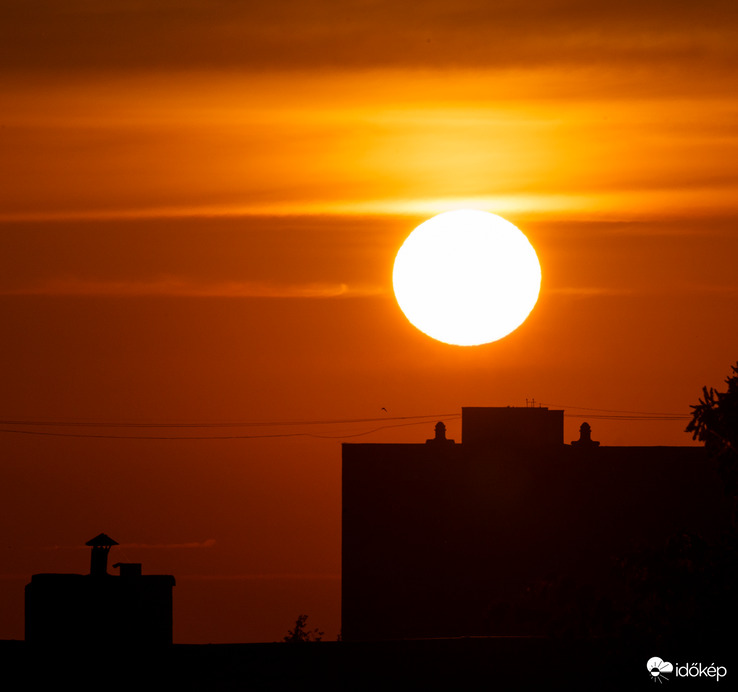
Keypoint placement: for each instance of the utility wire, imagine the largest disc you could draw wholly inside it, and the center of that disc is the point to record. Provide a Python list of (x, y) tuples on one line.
[(593, 413), (219, 437), (632, 413), (608, 417), (249, 424)]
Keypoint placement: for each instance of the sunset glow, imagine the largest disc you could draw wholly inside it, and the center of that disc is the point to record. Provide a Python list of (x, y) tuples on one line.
[(201, 203)]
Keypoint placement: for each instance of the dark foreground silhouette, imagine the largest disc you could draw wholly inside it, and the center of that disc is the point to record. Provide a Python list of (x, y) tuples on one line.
[(600, 560), (514, 532), (99, 609), (456, 664)]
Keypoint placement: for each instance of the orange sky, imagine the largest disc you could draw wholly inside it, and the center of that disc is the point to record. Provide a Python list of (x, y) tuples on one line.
[(200, 204)]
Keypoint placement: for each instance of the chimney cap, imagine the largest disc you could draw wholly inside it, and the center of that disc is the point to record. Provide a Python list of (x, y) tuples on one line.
[(440, 437), (101, 540)]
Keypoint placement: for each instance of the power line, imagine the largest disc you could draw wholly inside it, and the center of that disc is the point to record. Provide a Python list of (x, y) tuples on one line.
[(233, 437), (246, 424), (592, 413), (632, 413), (616, 417)]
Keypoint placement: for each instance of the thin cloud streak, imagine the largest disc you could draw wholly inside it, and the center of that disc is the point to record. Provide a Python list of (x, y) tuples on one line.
[(625, 205), (591, 291), (259, 577), (542, 203), (349, 143), (174, 287), (601, 292), (81, 35), (207, 543)]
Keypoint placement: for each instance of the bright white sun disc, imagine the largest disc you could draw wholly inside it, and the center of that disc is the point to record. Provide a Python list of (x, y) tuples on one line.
[(466, 277)]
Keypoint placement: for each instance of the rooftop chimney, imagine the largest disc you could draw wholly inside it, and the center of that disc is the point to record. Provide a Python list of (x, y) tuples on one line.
[(585, 437), (100, 545), (440, 437)]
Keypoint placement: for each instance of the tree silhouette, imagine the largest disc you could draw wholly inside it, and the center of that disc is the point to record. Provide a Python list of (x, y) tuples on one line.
[(301, 634), (715, 422)]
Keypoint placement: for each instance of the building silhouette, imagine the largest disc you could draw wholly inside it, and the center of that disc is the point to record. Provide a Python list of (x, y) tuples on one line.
[(439, 536), (100, 609)]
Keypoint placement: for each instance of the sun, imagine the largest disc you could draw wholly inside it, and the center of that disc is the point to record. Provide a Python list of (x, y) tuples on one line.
[(466, 277)]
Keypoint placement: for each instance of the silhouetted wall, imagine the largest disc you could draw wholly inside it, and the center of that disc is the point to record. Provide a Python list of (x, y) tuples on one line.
[(512, 428), (435, 535), (116, 611)]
